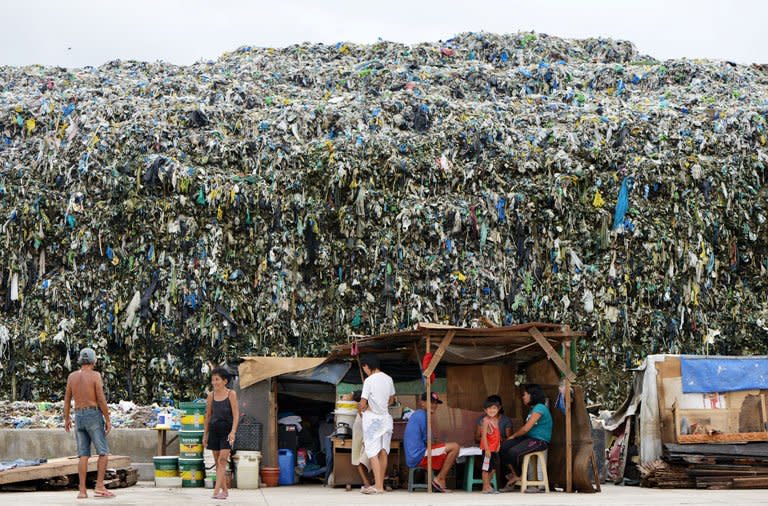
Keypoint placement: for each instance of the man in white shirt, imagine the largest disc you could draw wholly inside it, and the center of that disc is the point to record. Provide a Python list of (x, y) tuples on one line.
[(378, 394)]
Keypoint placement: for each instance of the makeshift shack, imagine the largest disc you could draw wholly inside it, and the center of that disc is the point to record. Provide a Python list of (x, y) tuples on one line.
[(303, 387), (469, 364), (685, 410)]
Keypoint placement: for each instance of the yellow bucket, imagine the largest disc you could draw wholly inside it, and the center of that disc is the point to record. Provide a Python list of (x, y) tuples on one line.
[(192, 472), (194, 421), (166, 467), (191, 443), (193, 416)]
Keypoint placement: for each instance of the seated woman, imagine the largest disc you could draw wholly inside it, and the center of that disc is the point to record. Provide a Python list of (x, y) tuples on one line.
[(534, 436)]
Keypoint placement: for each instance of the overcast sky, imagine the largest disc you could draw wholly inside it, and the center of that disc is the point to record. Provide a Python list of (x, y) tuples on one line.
[(75, 33)]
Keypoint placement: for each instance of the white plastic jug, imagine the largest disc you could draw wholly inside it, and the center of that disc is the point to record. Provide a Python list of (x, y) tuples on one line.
[(248, 469)]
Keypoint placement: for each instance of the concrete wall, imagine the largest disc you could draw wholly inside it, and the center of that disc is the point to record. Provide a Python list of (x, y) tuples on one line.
[(139, 444), (254, 402)]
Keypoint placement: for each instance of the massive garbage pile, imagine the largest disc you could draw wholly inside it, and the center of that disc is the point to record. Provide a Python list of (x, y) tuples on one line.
[(280, 200)]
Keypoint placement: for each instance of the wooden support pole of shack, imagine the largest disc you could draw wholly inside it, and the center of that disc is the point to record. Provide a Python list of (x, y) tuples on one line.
[(568, 431), (433, 363), (429, 424)]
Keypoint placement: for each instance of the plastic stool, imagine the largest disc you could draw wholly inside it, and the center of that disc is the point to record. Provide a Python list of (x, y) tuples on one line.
[(541, 461), (469, 476), (412, 485)]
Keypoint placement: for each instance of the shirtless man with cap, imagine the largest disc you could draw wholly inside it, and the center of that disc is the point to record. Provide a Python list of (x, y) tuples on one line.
[(91, 420)]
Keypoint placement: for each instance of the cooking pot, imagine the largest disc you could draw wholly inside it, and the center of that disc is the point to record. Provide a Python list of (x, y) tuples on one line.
[(343, 430)]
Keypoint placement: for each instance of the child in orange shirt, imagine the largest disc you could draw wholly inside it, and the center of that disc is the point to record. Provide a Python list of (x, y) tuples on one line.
[(490, 443)]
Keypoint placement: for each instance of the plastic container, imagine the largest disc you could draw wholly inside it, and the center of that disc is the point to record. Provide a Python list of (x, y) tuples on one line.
[(249, 435), (166, 467), (396, 411), (344, 416), (346, 405), (301, 458), (191, 472), (173, 482), (270, 476), (193, 416), (287, 461), (248, 469), (163, 420), (191, 444)]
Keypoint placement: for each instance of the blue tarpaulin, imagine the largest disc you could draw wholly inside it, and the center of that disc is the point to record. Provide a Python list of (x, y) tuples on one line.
[(705, 375)]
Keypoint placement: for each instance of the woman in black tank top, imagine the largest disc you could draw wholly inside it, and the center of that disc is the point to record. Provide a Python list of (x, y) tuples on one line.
[(221, 417)]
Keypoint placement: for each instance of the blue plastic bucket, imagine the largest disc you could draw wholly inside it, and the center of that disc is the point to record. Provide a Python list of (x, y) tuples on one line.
[(287, 462)]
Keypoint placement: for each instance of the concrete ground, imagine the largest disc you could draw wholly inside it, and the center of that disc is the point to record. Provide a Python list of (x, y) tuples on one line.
[(313, 495)]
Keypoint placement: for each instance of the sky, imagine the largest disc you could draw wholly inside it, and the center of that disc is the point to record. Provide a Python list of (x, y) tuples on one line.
[(77, 33)]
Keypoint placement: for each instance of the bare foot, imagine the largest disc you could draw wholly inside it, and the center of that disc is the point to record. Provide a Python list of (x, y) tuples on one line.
[(82, 495)]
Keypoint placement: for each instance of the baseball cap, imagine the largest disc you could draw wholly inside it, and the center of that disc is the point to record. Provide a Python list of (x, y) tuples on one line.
[(87, 356), (434, 396)]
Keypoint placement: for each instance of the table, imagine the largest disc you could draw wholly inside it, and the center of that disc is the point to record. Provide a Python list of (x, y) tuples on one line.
[(345, 474), (162, 441)]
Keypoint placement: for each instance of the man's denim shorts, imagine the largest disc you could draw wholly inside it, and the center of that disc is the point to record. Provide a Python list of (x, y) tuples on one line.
[(90, 429)]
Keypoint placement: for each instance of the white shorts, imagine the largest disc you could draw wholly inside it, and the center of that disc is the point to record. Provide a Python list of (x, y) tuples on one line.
[(374, 445)]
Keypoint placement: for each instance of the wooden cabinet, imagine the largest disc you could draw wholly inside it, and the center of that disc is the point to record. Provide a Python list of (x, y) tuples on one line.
[(345, 474)]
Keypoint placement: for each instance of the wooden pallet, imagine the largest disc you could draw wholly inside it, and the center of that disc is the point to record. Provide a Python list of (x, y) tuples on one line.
[(58, 467)]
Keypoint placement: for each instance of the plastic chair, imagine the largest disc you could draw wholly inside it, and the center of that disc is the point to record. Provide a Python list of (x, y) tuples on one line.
[(540, 464), (469, 476), (412, 484)]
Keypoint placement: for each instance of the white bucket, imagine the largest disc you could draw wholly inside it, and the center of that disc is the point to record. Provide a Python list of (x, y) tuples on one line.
[(248, 469), (172, 482)]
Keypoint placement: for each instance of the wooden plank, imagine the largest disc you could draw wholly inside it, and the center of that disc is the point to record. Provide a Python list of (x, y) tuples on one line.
[(129, 478), (758, 482), (429, 422), (724, 472), (568, 434), (734, 437), (759, 450), (58, 467), (595, 471), (272, 449), (488, 323), (552, 354), (438, 354)]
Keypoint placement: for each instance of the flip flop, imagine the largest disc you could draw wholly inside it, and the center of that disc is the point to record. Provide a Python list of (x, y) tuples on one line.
[(105, 494), (492, 491), (82, 496), (436, 486)]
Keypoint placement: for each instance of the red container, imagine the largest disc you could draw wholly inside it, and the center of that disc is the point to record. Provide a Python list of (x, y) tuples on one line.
[(270, 476)]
